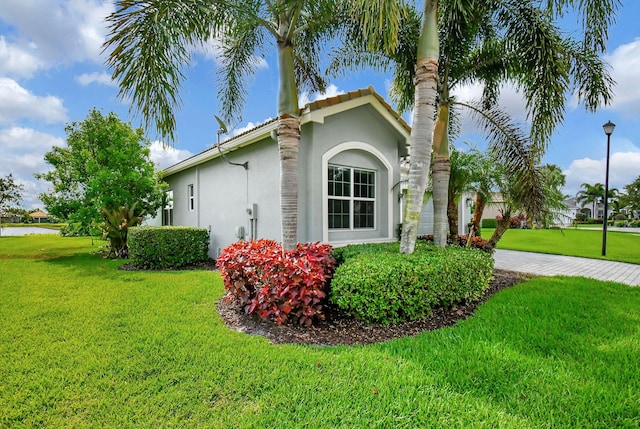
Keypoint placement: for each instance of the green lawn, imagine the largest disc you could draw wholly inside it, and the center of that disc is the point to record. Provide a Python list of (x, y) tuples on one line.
[(85, 345), (621, 246)]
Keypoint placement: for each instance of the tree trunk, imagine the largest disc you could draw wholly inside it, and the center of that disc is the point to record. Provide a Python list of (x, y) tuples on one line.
[(426, 83), (477, 214), (288, 145), (501, 228), (441, 172), (452, 215), (440, 176)]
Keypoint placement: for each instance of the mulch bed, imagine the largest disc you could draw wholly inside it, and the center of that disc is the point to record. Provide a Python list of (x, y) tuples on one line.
[(339, 328)]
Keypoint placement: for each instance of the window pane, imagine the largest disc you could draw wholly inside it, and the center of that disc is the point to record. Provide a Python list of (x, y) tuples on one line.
[(364, 184), (363, 214), (338, 214), (339, 181)]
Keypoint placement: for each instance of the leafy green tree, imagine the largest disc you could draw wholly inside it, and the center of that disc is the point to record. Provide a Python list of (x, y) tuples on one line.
[(151, 42), (553, 207), (105, 165), (632, 195), (10, 193)]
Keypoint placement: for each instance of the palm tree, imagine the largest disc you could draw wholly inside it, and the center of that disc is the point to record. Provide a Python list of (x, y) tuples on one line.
[(591, 194), (493, 43), (417, 47), (150, 43), (472, 172)]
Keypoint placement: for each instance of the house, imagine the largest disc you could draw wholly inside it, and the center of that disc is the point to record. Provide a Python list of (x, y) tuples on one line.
[(7, 217), (564, 217), (349, 176), (39, 217)]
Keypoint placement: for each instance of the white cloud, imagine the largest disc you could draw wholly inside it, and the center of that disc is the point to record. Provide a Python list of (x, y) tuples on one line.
[(511, 101), (623, 169), (165, 156), (212, 50), (17, 103), (625, 65), (17, 61), (23, 152), (60, 32), (332, 91), (99, 78), (238, 131)]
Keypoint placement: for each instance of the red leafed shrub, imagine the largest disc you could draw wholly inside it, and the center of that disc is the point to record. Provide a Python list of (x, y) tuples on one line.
[(286, 286)]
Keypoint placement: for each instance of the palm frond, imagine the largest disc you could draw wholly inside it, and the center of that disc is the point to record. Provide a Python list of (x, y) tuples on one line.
[(510, 146), (542, 70), (592, 81), (149, 46), (595, 17), (241, 47)]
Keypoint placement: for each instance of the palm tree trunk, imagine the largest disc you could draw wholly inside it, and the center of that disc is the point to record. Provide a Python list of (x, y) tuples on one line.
[(452, 216), (477, 214), (440, 178), (501, 228), (288, 145), (440, 175), (426, 83)]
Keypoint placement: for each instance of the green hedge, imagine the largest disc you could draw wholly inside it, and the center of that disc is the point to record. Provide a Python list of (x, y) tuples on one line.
[(489, 223), (155, 248), (381, 285)]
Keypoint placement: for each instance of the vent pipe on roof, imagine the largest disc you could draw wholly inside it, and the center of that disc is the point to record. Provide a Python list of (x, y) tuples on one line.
[(223, 130)]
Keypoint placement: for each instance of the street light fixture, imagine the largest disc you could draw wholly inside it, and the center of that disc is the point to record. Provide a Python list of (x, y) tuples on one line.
[(608, 130)]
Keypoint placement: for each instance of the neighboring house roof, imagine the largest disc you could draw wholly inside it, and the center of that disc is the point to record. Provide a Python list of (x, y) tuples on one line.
[(315, 111), (38, 214)]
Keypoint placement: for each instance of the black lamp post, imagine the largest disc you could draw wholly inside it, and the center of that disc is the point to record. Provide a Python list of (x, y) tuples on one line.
[(608, 130)]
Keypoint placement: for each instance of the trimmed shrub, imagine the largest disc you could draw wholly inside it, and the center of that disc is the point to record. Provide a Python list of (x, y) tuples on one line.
[(166, 247), (581, 217), (340, 254), (489, 223), (634, 223), (285, 286), (385, 286)]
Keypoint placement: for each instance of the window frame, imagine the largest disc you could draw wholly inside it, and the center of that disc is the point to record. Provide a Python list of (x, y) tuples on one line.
[(191, 197), (351, 198)]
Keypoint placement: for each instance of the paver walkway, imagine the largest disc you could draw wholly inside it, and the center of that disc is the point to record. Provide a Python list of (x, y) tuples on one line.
[(552, 265)]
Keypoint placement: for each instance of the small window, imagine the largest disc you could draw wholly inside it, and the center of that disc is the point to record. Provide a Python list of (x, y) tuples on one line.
[(192, 197), (167, 209), (352, 194)]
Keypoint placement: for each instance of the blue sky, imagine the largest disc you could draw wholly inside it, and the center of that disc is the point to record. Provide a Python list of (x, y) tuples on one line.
[(52, 72)]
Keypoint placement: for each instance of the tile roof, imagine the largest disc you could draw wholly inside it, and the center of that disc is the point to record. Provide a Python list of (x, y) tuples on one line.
[(308, 108)]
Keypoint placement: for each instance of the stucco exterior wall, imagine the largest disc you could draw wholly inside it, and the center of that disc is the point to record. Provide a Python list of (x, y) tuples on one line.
[(359, 137), (224, 193)]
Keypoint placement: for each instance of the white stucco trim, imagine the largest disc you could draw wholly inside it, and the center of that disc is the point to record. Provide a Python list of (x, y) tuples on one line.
[(365, 147)]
